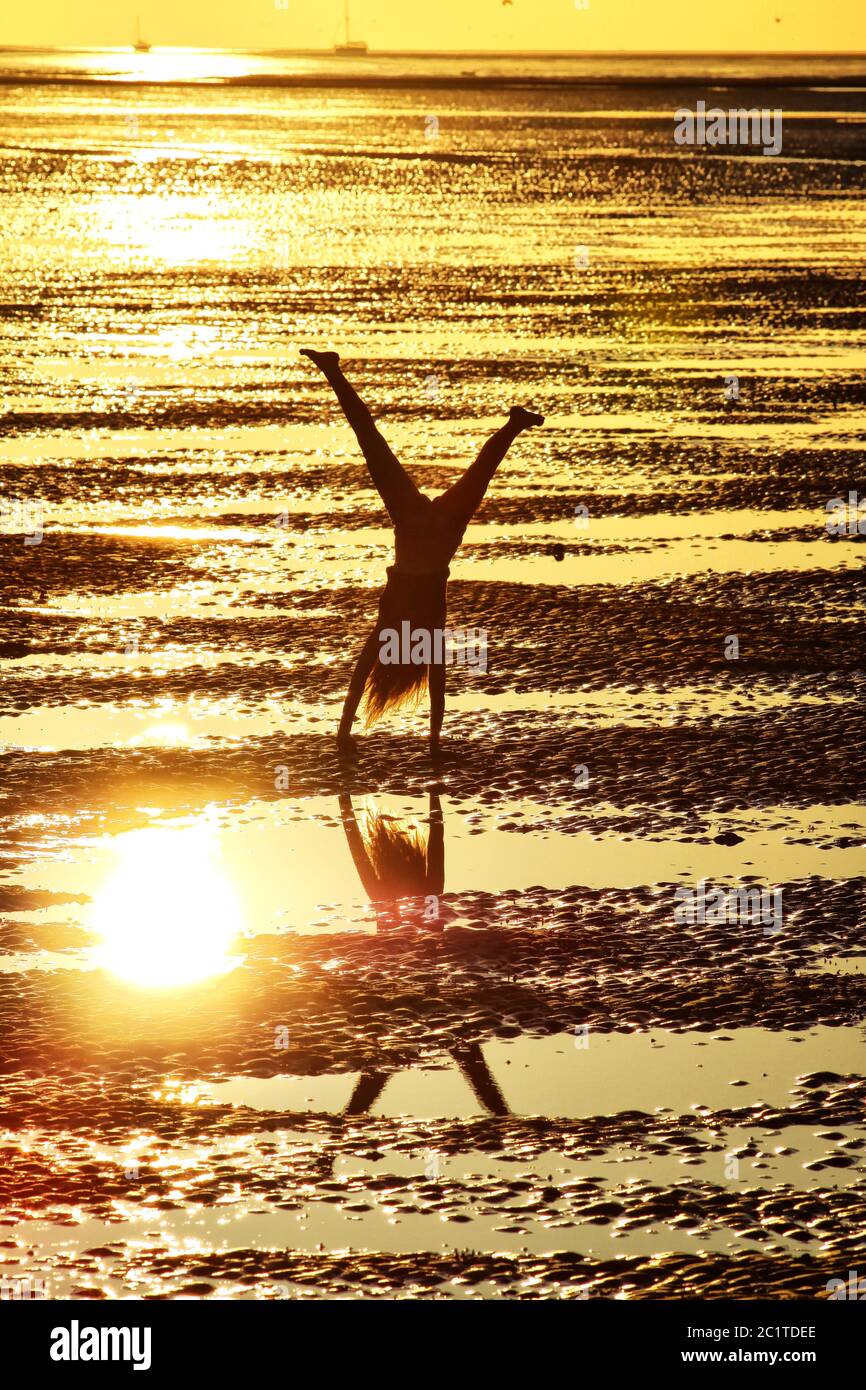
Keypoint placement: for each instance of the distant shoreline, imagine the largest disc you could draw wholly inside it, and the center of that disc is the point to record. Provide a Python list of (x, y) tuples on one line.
[(406, 70)]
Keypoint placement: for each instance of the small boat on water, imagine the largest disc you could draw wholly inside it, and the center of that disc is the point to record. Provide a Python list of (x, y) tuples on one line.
[(141, 45), (349, 48)]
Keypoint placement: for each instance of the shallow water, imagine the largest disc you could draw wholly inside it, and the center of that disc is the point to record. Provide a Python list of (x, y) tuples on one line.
[(231, 1066)]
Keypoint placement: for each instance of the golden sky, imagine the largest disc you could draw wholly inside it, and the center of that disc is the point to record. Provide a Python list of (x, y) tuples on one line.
[(657, 25)]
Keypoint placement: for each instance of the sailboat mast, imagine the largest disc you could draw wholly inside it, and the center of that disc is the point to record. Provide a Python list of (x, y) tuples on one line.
[(349, 48)]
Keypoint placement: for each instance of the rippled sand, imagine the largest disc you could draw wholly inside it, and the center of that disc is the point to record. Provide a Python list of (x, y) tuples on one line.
[(227, 1071)]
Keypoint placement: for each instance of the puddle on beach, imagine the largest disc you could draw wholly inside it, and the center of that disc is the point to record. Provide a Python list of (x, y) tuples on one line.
[(407, 1201), (192, 723), (570, 1076), (181, 873)]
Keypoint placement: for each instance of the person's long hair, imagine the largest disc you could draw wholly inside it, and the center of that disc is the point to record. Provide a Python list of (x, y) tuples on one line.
[(393, 686), (397, 852)]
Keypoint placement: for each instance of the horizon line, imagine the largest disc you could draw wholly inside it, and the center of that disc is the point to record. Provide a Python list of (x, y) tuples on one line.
[(453, 52)]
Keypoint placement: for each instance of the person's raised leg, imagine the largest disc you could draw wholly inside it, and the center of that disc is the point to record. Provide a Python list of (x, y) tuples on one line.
[(392, 482), (368, 1088), (463, 498), (473, 1064)]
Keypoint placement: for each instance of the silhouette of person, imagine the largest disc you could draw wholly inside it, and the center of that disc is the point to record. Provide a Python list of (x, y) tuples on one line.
[(394, 864), (427, 534)]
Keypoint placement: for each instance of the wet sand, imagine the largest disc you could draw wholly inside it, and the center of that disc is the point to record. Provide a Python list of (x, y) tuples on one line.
[(548, 1087)]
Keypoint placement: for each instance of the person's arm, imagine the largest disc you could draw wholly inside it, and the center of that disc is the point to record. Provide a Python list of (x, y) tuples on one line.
[(363, 666), (436, 681), (435, 847), (355, 840)]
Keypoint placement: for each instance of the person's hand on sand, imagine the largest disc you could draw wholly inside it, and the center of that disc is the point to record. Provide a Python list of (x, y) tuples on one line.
[(347, 745)]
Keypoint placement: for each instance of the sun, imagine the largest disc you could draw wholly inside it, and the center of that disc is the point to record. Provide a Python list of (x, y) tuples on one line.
[(168, 915)]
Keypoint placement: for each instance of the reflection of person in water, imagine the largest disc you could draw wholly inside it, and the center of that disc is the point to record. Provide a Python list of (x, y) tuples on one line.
[(395, 864), (470, 1060), (427, 534)]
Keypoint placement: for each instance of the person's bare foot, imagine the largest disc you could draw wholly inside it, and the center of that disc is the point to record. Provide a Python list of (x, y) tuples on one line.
[(525, 419), (323, 360)]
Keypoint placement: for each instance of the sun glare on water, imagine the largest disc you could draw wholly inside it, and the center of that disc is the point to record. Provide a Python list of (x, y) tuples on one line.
[(168, 914)]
